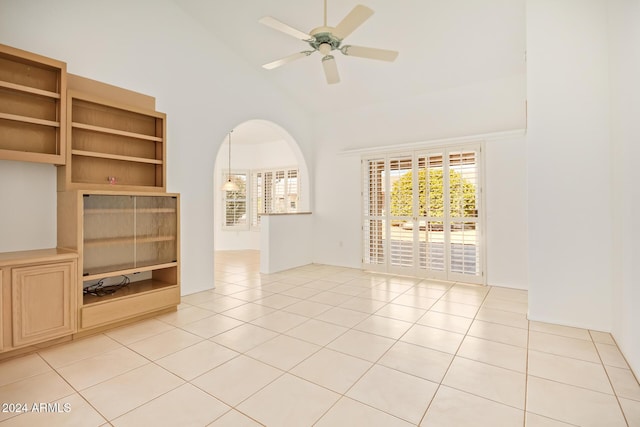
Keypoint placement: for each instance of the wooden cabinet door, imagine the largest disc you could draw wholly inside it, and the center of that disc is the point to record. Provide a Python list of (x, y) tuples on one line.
[(43, 301)]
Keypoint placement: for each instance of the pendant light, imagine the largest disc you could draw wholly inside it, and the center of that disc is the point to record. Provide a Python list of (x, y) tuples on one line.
[(230, 185)]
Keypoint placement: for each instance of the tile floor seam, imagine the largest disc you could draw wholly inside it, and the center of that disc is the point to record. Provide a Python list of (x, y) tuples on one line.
[(83, 397), (484, 398), (363, 403), (563, 336), (74, 341), (573, 385), (501, 324), (149, 401), (341, 395), (373, 364), (51, 368), (551, 418), (568, 357), (490, 364), (168, 354), (450, 362), (62, 397), (615, 392), (235, 406), (237, 410), (79, 392)]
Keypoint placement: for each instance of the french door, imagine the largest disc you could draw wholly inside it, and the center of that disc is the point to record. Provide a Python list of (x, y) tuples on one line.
[(423, 214)]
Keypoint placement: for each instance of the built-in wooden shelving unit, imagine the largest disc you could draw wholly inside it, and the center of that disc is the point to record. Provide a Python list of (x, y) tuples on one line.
[(113, 145), (133, 235), (32, 107)]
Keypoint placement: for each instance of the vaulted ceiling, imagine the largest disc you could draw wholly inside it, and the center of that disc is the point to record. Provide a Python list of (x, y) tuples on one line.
[(442, 45)]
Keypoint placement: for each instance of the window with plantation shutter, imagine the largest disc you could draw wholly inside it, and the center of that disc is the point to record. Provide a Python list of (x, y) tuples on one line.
[(401, 212), (292, 190), (274, 191), (258, 198), (236, 203), (463, 212), (374, 213), (422, 213)]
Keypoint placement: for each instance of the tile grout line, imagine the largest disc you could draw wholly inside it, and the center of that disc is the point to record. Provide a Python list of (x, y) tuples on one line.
[(398, 339), (341, 395), (348, 329), (344, 394), (288, 371), (615, 393), (454, 355), (475, 318), (78, 392), (337, 337)]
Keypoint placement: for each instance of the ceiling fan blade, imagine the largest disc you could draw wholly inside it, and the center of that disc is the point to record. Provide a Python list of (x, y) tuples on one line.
[(284, 28), (287, 59), (330, 69), (369, 52), (353, 20)]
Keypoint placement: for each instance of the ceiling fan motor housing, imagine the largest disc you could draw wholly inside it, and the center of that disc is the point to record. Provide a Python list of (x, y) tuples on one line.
[(324, 35)]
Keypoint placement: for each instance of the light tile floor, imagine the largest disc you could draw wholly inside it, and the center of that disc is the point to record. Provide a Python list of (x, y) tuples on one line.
[(328, 346)]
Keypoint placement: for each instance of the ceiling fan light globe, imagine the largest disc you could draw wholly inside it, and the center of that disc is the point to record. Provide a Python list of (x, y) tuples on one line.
[(324, 48)]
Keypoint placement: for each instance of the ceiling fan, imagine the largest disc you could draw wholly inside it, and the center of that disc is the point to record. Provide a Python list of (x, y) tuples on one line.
[(326, 39)]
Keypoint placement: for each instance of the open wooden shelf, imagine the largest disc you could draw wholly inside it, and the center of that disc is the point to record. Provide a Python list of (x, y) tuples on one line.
[(124, 211), (115, 157), (128, 240), (113, 146), (32, 107), (120, 270), (32, 120), (28, 89), (133, 288), (110, 131), (136, 299)]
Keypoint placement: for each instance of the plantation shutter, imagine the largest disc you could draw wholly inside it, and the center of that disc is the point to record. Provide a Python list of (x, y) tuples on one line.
[(422, 213), (401, 212), (432, 236), (235, 202), (374, 213), (258, 198), (274, 191), (464, 197), (292, 190)]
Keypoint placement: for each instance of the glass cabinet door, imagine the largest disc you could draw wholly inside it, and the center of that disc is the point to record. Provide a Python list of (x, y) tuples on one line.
[(156, 230), (109, 230)]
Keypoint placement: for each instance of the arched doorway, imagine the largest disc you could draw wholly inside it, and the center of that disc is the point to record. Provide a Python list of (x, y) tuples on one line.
[(271, 172)]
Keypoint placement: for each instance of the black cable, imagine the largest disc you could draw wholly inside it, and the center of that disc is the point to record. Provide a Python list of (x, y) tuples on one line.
[(100, 289)]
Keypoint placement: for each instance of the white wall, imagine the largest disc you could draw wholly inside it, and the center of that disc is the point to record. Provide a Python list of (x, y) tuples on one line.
[(568, 162), (245, 158), (485, 107), (153, 47), (506, 211), (285, 242), (624, 44), (27, 195)]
